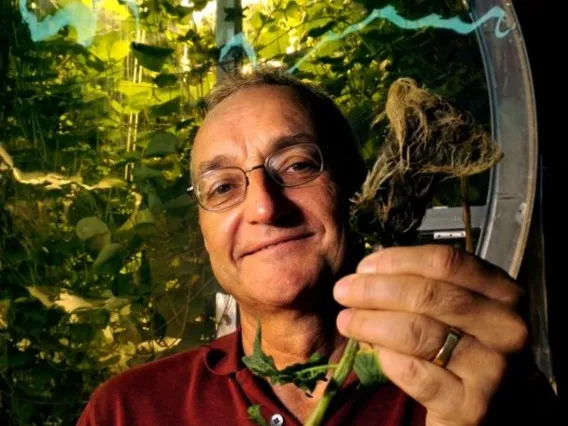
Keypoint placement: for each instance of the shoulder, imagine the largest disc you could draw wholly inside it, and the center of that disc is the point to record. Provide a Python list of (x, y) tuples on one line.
[(160, 383)]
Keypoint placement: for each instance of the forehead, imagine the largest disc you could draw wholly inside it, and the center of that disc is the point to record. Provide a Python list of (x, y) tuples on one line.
[(248, 124)]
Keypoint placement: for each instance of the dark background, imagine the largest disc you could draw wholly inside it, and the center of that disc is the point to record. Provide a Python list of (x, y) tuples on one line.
[(540, 29)]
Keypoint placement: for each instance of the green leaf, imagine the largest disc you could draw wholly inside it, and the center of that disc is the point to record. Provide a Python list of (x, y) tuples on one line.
[(167, 108), (89, 227), (151, 57), (143, 172), (293, 13), (368, 368), (185, 123), (256, 416), (304, 376), (165, 80), (161, 143), (319, 31), (107, 254)]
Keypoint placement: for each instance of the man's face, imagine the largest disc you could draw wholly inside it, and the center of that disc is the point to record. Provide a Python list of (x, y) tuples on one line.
[(242, 131)]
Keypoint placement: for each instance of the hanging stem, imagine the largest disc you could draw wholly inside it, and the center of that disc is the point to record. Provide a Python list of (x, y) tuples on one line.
[(466, 213), (339, 377)]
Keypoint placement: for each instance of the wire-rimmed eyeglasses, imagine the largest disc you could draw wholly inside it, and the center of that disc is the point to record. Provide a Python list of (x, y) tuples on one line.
[(223, 188)]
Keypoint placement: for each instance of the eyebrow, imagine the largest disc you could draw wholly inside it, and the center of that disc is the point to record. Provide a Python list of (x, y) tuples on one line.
[(220, 161)]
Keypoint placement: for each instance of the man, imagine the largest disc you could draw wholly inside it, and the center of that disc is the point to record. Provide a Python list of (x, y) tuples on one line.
[(273, 167)]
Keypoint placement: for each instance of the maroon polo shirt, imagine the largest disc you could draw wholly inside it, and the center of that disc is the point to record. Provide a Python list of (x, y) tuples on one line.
[(211, 386)]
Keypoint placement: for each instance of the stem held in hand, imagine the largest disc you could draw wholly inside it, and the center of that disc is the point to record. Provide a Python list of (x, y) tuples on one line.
[(339, 377)]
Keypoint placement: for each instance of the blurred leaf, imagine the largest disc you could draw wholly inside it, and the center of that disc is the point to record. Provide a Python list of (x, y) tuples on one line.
[(88, 227), (165, 80), (143, 172), (167, 108), (320, 31), (151, 57), (185, 123), (161, 143), (110, 252), (155, 204)]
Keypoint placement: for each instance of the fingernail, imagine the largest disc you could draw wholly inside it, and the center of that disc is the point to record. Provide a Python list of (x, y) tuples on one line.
[(343, 319), (341, 289)]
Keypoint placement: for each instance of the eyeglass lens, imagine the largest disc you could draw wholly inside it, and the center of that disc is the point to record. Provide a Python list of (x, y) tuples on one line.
[(291, 166)]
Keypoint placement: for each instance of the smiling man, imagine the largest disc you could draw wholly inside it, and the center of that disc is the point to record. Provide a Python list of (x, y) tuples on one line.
[(273, 167)]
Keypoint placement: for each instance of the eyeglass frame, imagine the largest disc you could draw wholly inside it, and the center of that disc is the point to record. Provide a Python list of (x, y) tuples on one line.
[(193, 188)]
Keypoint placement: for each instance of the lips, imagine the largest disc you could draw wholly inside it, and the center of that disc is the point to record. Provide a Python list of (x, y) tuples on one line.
[(273, 242)]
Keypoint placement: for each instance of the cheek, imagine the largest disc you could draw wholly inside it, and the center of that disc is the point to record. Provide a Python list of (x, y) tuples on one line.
[(218, 231)]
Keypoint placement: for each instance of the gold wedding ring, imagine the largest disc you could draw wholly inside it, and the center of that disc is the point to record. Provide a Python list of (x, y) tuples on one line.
[(452, 339)]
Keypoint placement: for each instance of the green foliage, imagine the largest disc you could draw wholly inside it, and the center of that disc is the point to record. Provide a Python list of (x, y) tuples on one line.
[(101, 262), (305, 376), (368, 368), (256, 416)]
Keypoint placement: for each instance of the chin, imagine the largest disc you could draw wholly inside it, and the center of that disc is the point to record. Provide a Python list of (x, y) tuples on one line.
[(281, 285)]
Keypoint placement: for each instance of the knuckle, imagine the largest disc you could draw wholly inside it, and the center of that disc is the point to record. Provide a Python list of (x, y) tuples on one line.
[(519, 334), (417, 339), (416, 376), (358, 324), (368, 290), (442, 299), (428, 298), (448, 259)]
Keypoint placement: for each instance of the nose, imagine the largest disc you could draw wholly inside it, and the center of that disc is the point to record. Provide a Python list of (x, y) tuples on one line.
[(264, 202)]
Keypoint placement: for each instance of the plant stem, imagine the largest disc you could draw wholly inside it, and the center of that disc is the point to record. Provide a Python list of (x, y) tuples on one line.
[(466, 213), (320, 368), (343, 369)]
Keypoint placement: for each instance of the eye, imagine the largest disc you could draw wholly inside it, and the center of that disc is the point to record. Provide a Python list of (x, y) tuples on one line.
[(300, 165), (220, 189)]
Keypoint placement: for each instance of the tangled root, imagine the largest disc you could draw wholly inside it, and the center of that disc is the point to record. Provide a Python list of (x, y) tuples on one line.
[(429, 140)]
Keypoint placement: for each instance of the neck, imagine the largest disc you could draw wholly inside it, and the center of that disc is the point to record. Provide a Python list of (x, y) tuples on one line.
[(291, 337)]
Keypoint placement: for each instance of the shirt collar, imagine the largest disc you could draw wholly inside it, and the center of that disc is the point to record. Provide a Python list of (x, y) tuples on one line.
[(223, 356)]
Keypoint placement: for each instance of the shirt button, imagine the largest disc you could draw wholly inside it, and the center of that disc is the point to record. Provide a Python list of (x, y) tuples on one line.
[(276, 420)]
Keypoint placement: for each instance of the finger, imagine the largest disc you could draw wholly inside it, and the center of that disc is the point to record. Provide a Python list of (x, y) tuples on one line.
[(422, 337), (446, 263), (489, 321), (441, 392)]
